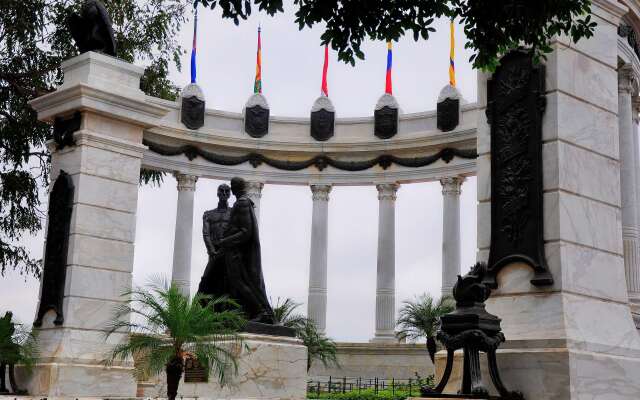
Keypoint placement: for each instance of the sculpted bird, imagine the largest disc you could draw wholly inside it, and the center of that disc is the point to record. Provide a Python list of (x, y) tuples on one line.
[(91, 29)]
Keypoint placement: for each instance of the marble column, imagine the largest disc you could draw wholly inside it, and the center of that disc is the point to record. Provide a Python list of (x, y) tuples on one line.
[(181, 272), (317, 302), (254, 192), (385, 282), (635, 303), (451, 189), (628, 181)]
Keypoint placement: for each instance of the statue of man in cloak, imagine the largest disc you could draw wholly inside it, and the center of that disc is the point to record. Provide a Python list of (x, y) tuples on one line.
[(240, 248)]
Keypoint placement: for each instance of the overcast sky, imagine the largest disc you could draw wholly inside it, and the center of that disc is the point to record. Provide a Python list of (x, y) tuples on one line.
[(292, 65)]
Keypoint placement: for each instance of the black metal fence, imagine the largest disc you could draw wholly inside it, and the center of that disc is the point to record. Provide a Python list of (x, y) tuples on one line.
[(332, 384)]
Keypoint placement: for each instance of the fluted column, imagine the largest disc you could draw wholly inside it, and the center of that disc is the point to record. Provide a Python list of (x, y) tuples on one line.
[(385, 283), (628, 181), (451, 190), (317, 302), (254, 192), (181, 272)]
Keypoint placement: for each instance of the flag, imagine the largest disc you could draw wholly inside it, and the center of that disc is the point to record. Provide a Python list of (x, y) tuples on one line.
[(323, 90), (388, 86), (257, 85), (452, 52), (193, 49)]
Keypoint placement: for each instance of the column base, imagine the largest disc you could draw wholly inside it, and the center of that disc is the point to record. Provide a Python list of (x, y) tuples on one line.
[(384, 338), (78, 380), (552, 370)]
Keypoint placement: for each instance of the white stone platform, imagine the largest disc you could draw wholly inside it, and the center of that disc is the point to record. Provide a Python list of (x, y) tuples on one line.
[(269, 368)]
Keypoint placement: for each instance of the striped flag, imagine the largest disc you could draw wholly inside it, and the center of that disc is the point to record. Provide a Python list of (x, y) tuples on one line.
[(323, 90), (452, 52), (388, 88), (257, 85), (193, 49)]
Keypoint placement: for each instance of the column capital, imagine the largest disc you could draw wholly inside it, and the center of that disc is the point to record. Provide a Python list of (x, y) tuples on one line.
[(387, 191), (320, 192), (635, 102), (185, 182), (452, 185), (254, 189), (627, 81)]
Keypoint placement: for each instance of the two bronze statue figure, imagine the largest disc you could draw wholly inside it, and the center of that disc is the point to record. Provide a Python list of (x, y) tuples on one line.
[(233, 244)]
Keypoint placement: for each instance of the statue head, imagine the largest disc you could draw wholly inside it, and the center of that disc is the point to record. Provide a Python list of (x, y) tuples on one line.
[(238, 186), (224, 192)]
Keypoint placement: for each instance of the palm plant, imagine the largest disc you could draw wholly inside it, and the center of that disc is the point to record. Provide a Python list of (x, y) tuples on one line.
[(168, 327), (17, 346), (420, 318), (319, 347), (284, 314)]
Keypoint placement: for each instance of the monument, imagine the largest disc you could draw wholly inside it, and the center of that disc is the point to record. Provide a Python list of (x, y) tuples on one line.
[(214, 225)]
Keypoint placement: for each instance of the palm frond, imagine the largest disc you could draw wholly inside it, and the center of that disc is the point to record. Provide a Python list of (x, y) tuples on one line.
[(419, 318), (284, 314)]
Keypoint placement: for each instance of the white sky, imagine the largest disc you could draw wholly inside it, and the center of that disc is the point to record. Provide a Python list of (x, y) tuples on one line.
[(292, 65)]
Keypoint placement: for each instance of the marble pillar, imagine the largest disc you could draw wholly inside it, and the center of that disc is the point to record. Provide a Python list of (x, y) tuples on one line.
[(634, 302), (451, 190), (254, 192), (104, 164), (385, 282), (183, 240), (575, 339), (317, 303)]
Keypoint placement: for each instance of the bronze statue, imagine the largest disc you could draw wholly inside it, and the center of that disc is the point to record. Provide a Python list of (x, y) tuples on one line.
[(91, 29), (214, 225), (236, 268)]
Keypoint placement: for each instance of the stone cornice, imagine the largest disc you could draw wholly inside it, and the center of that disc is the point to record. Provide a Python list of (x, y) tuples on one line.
[(82, 97)]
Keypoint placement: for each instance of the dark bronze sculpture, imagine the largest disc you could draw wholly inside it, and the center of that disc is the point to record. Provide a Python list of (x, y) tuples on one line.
[(214, 225), (236, 262), (256, 121), (322, 122), (63, 130), (192, 113), (91, 30), (471, 328), (515, 104), (385, 122), (54, 270), (448, 114)]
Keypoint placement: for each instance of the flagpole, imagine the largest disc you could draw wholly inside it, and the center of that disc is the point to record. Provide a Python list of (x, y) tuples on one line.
[(193, 48)]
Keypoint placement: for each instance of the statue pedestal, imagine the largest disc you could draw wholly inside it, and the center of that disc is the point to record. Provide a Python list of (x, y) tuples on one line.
[(269, 368)]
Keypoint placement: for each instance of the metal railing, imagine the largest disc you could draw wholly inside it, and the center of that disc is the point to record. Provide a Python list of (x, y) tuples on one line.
[(345, 384)]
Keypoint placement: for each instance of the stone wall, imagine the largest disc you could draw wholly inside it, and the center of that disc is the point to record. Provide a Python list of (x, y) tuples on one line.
[(376, 360)]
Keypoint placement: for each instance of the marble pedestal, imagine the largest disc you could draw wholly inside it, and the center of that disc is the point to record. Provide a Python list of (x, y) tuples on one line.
[(269, 368), (104, 163), (575, 339)]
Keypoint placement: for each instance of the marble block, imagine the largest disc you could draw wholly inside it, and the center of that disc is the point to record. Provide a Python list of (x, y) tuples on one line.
[(269, 368)]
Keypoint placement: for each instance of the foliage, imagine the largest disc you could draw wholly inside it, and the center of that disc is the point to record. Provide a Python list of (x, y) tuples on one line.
[(284, 314), (400, 391), (491, 27), (17, 343), (33, 42), (419, 318), (319, 347), (167, 326)]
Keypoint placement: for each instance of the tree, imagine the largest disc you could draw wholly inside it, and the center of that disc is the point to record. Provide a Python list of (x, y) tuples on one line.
[(33, 42), (167, 328), (420, 318), (319, 347), (491, 27), (17, 346)]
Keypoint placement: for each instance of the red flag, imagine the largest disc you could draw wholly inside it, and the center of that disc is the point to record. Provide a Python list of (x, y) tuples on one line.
[(323, 90)]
